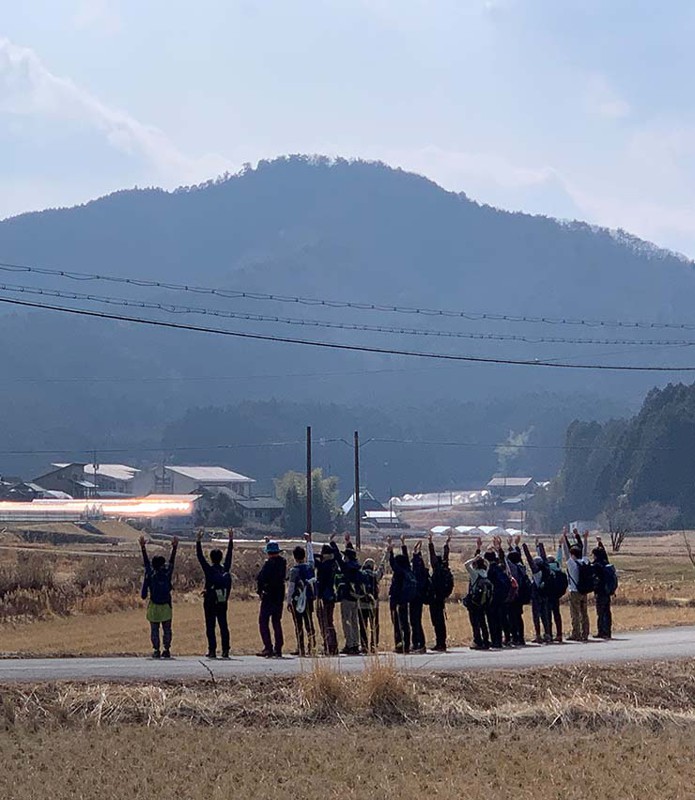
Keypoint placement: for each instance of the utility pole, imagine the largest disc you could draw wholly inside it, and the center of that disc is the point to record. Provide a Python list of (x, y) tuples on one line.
[(358, 512), (309, 520)]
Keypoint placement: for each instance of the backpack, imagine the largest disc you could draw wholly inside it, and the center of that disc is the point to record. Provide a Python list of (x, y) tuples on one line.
[(442, 582), (303, 588), (555, 582), (160, 587), (480, 594), (369, 588), (424, 586), (409, 587), (607, 579), (221, 585), (524, 583), (585, 578)]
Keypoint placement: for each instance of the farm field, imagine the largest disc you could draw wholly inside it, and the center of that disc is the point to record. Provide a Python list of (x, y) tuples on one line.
[(385, 735)]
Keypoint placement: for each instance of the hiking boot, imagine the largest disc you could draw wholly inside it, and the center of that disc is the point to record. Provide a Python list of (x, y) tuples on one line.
[(156, 654), (265, 654), (277, 654), (419, 651), (166, 653), (480, 647), (439, 648), (558, 640), (225, 655), (211, 656), (537, 640)]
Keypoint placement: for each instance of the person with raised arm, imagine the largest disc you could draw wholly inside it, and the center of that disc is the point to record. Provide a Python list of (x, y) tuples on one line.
[(326, 570), (580, 583), (157, 587), (349, 582), (218, 587), (478, 598), (301, 588), (368, 603), (442, 587), (540, 612), (605, 586), (270, 585), (402, 591)]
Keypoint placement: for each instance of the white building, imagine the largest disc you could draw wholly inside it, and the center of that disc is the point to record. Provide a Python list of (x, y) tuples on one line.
[(185, 480)]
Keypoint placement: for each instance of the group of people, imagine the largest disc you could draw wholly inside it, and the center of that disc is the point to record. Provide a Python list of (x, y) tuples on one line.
[(500, 587), (317, 582)]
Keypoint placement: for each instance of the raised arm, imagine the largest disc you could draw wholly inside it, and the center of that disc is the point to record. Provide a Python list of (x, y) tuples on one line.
[(172, 557), (145, 557), (542, 553), (431, 550), (565, 544), (585, 544), (230, 551), (447, 549), (199, 550), (529, 557), (310, 559), (336, 552)]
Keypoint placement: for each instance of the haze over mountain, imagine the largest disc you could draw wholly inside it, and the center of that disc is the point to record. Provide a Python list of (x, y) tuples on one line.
[(320, 229)]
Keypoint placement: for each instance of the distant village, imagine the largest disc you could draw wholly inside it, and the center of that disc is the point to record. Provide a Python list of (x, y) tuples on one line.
[(171, 498)]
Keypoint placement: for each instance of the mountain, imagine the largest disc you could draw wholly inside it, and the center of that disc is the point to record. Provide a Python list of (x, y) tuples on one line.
[(315, 228)]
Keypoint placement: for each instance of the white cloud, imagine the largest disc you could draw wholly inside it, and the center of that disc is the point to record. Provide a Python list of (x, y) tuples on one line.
[(101, 15), (29, 89), (602, 100)]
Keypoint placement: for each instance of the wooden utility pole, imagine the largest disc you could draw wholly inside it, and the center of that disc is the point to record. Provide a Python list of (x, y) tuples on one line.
[(358, 511), (309, 520)]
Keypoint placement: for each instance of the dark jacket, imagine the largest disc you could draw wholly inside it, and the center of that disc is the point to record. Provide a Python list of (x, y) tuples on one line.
[(157, 582), (400, 565), (326, 569), (422, 576), (270, 582), (217, 576), (350, 578)]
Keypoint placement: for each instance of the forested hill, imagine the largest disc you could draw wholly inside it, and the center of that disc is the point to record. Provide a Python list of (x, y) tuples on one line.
[(637, 473), (318, 229)]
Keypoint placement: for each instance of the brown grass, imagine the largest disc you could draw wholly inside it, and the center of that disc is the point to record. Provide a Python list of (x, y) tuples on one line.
[(562, 733)]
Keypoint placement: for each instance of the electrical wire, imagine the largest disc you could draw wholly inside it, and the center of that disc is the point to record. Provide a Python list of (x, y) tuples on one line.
[(346, 347), (313, 323), (332, 303)]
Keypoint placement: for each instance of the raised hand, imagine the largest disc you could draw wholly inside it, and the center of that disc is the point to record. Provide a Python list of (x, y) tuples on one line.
[(307, 537), (199, 535), (142, 541), (231, 534), (175, 541)]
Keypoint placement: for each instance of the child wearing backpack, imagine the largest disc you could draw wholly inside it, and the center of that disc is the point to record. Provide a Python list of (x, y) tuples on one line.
[(402, 592), (539, 596), (442, 587), (478, 598), (368, 604), (421, 599), (218, 586), (157, 586), (300, 593), (581, 582), (605, 585)]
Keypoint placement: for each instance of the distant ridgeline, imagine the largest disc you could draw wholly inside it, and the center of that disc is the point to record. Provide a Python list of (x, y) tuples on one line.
[(336, 230), (639, 472)]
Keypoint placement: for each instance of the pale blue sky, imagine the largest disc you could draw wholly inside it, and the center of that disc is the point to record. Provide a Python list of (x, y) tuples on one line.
[(571, 108)]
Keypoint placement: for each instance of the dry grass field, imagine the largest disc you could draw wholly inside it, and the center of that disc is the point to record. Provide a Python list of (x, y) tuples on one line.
[(621, 732), (80, 601)]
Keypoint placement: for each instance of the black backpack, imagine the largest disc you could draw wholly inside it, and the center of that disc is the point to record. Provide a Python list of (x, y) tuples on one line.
[(442, 582), (501, 581), (605, 579), (555, 582), (160, 587), (221, 584), (480, 594), (585, 578)]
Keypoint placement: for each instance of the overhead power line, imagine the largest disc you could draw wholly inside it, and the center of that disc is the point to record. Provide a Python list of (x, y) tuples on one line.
[(344, 347), (235, 294), (170, 308)]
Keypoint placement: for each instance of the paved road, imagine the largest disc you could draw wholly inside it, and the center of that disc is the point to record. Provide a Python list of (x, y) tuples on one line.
[(662, 644)]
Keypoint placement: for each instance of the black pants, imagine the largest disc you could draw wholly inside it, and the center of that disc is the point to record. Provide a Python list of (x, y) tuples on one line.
[(481, 636), (438, 617), (271, 611), (401, 626), (515, 617), (369, 627), (555, 616), (325, 612), (216, 614), (304, 622), (416, 629), (604, 615), (495, 614), (540, 611)]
